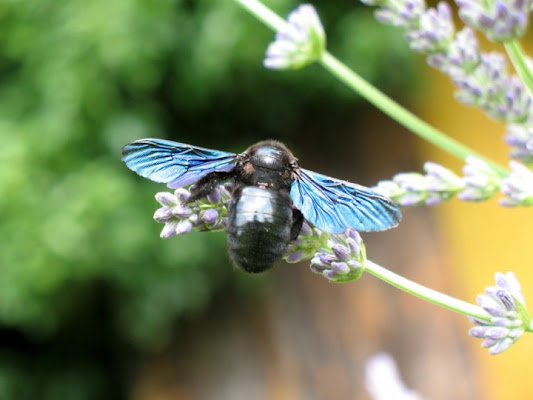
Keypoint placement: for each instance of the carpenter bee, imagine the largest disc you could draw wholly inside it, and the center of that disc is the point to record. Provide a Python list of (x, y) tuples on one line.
[(271, 197)]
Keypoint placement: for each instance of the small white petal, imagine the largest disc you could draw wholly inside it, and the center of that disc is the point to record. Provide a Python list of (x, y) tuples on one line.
[(383, 382), (299, 43)]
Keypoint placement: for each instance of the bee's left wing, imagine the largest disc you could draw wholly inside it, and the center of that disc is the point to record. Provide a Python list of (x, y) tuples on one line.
[(173, 163), (333, 205)]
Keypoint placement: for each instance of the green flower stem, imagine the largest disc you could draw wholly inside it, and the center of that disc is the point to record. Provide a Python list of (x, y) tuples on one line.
[(374, 96), (425, 293), (517, 57), (263, 13), (400, 114)]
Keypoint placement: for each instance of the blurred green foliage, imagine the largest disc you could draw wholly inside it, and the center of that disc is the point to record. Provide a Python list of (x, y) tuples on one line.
[(82, 266)]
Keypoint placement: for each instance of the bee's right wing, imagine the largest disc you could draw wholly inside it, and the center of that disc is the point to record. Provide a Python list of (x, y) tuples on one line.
[(334, 205), (173, 163)]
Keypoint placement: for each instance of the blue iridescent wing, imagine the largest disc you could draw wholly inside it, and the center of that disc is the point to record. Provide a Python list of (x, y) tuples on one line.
[(333, 205), (173, 163)]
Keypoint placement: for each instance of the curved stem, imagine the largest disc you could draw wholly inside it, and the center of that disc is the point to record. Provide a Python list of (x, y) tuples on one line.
[(517, 57), (425, 293), (399, 113), (263, 13)]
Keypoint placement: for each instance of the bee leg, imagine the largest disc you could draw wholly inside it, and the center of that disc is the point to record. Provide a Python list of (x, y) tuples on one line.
[(297, 222), (207, 184)]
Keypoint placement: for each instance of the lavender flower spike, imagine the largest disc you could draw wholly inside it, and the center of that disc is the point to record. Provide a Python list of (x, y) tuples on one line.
[(412, 189), (518, 186), (301, 43), (499, 20), (180, 217), (509, 316), (342, 258), (434, 32)]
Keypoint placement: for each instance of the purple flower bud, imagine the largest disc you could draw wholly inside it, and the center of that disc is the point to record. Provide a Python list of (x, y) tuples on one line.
[(506, 299), (500, 346), (213, 197), (169, 230), (341, 252), (478, 331), (181, 211), (353, 235), (491, 305), (210, 216), (163, 214), (509, 283), (496, 333), (325, 258), (297, 256), (509, 316), (183, 227), (441, 180), (354, 245), (183, 195), (340, 268), (166, 199)]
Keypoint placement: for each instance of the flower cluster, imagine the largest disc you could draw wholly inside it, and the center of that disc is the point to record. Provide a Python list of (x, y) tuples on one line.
[(480, 182), (509, 318), (411, 189), (180, 217), (339, 258), (499, 20), (299, 43), (342, 259), (482, 78)]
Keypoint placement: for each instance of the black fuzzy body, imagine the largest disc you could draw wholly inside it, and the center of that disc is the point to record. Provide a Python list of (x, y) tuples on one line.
[(261, 219), (259, 227)]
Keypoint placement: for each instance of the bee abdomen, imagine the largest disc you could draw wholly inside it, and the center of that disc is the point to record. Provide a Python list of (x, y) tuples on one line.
[(259, 227)]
